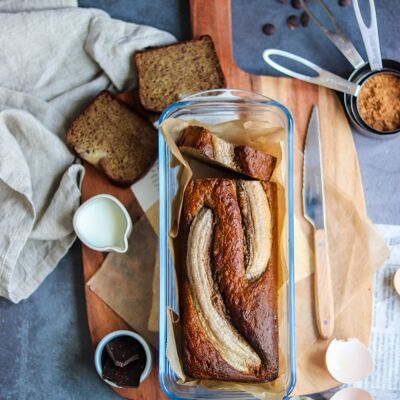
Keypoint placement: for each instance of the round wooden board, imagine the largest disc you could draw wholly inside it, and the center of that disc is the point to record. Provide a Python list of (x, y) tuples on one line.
[(340, 165)]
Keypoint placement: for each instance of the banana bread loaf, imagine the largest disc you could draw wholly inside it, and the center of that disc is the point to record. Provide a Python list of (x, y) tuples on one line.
[(228, 297)]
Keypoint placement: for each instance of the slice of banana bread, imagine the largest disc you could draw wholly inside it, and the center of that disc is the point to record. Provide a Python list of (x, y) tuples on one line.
[(168, 73), (114, 139), (200, 143)]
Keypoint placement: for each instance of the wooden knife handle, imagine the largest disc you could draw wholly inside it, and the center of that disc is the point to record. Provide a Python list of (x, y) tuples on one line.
[(323, 286)]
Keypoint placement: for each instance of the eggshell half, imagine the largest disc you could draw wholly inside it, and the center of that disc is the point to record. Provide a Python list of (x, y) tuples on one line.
[(348, 361), (352, 394), (396, 281)]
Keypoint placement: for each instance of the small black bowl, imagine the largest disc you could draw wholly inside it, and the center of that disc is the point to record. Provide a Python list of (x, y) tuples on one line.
[(360, 76)]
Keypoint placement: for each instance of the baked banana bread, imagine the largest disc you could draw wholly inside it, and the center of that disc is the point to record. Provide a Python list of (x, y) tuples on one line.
[(114, 138), (228, 239), (198, 142), (168, 73)]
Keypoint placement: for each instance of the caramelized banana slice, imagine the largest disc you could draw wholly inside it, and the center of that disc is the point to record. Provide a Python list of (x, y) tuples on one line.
[(223, 152), (233, 348), (257, 227)]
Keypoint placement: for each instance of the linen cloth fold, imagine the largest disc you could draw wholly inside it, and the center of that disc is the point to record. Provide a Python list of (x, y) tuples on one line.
[(54, 57)]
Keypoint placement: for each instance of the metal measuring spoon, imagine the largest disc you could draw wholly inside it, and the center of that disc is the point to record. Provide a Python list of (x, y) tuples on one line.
[(351, 87), (336, 35), (323, 78), (370, 35), (362, 70)]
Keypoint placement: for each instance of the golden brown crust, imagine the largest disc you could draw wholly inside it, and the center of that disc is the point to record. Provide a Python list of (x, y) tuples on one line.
[(251, 304), (198, 138), (199, 142), (255, 163)]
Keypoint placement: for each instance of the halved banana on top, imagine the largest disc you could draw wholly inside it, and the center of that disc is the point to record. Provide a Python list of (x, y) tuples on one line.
[(214, 321), (257, 221)]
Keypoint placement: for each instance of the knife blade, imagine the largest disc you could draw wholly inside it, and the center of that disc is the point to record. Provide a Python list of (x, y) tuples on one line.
[(314, 212)]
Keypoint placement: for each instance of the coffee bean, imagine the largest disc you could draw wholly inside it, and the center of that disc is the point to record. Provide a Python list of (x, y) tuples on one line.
[(304, 19), (344, 3), (292, 22), (269, 29), (296, 4)]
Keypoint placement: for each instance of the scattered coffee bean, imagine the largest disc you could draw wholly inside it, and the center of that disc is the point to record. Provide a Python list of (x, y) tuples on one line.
[(304, 19), (344, 3), (269, 29), (292, 22), (296, 4)]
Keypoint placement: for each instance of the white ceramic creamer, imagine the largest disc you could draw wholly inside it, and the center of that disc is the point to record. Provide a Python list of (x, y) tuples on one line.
[(103, 224)]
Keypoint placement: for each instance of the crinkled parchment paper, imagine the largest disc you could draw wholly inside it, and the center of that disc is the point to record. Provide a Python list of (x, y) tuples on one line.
[(270, 139), (356, 251), (126, 282)]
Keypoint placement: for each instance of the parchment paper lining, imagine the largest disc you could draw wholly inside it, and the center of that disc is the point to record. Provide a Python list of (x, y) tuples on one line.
[(271, 139)]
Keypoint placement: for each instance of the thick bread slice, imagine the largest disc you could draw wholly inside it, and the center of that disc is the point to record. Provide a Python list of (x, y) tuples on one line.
[(168, 73), (113, 138), (199, 143)]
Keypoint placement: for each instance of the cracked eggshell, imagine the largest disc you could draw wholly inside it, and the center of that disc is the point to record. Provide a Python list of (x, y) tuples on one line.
[(352, 394), (396, 281), (348, 361)]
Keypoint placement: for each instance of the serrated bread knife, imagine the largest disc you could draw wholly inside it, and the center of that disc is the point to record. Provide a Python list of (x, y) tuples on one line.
[(314, 212)]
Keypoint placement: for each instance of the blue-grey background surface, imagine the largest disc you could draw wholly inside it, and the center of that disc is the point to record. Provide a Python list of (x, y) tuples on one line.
[(45, 349)]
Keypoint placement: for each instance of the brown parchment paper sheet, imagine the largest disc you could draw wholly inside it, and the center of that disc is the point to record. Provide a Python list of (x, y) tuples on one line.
[(356, 251), (270, 139), (128, 282)]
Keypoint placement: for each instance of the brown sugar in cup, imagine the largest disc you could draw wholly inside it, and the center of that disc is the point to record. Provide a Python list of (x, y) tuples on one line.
[(379, 102), (360, 76)]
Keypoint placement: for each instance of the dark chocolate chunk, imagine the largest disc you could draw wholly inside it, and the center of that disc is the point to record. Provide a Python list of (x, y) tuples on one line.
[(269, 29), (123, 362), (296, 4), (344, 3), (293, 22), (123, 350), (304, 19), (128, 376)]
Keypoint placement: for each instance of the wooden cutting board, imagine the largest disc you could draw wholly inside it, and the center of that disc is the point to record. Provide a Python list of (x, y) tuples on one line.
[(214, 18)]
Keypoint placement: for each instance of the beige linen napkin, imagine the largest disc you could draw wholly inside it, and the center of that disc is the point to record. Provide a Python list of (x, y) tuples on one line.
[(55, 58)]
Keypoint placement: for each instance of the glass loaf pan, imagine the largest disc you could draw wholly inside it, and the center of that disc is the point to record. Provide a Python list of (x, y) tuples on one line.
[(214, 107)]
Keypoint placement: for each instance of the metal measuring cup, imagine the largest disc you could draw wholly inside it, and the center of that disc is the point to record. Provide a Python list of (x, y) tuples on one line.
[(362, 70)]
